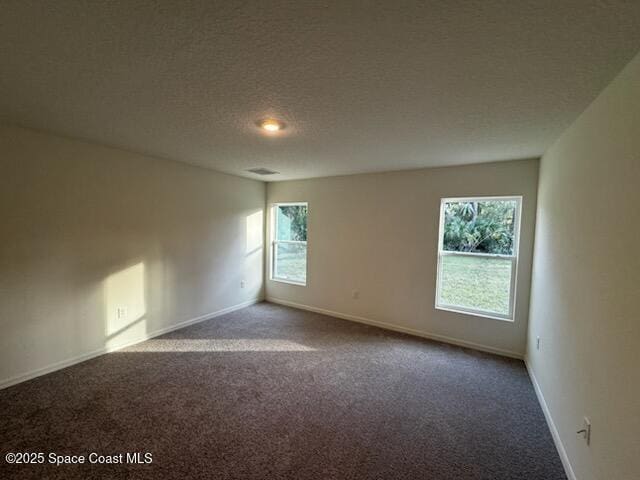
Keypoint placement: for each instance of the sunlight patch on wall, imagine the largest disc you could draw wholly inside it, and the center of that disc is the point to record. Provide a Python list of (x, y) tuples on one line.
[(254, 232), (253, 265), (125, 305), (219, 345)]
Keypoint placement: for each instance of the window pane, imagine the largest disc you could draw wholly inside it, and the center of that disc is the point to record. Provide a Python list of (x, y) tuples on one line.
[(290, 262), (477, 283), (479, 226), (291, 222)]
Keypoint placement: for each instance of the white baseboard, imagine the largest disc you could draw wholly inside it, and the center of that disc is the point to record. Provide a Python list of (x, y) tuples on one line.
[(397, 328), (552, 426), (101, 351)]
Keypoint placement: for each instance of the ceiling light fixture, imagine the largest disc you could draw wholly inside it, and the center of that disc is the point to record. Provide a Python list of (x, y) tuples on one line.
[(271, 125)]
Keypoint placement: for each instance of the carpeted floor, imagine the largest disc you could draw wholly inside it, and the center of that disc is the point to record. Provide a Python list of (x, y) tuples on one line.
[(269, 392)]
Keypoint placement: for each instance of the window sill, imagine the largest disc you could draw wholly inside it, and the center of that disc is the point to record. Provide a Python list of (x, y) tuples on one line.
[(474, 313), (289, 282)]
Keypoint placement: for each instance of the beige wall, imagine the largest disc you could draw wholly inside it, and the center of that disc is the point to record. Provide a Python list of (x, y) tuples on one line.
[(378, 234), (87, 229), (586, 284)]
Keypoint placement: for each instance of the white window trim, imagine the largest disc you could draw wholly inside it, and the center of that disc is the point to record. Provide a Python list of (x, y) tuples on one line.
[(275, 242), (510, 316)]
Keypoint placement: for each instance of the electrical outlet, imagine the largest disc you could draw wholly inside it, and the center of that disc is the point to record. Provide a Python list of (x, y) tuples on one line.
[(242, 284), (537, 343), (121, 313), (586, 430), (355, 294)]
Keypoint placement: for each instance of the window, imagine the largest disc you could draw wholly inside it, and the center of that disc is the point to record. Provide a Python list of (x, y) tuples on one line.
[(478, 255), (289, 244)]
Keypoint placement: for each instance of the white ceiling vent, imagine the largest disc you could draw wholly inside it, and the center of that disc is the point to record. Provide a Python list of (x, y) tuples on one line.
[(262, 171)]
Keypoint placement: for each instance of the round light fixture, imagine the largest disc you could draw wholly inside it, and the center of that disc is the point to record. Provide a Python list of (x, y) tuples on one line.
[(271, 125)]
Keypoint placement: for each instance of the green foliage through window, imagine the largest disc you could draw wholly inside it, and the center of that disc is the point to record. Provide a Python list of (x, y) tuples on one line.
[(290, 243), (480, 226), (292, 223)]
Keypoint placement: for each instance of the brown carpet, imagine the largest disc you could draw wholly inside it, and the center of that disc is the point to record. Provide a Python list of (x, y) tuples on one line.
[(270, 392)]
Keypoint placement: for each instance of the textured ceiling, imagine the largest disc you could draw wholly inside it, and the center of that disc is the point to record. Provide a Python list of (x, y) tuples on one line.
[(363, 86)]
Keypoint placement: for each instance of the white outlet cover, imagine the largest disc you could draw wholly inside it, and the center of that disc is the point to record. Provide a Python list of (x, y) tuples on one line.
[(587, 427)]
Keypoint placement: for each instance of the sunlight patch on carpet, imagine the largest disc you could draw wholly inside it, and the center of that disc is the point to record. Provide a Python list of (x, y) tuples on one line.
[(219, 345)]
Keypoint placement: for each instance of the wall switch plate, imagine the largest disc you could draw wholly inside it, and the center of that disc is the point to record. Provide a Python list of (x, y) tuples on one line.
[(242, 283), (121, 312), (355, 294)]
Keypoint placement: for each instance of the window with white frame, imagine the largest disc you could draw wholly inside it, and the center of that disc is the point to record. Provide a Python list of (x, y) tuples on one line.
[(289, 243), (478, 255)]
